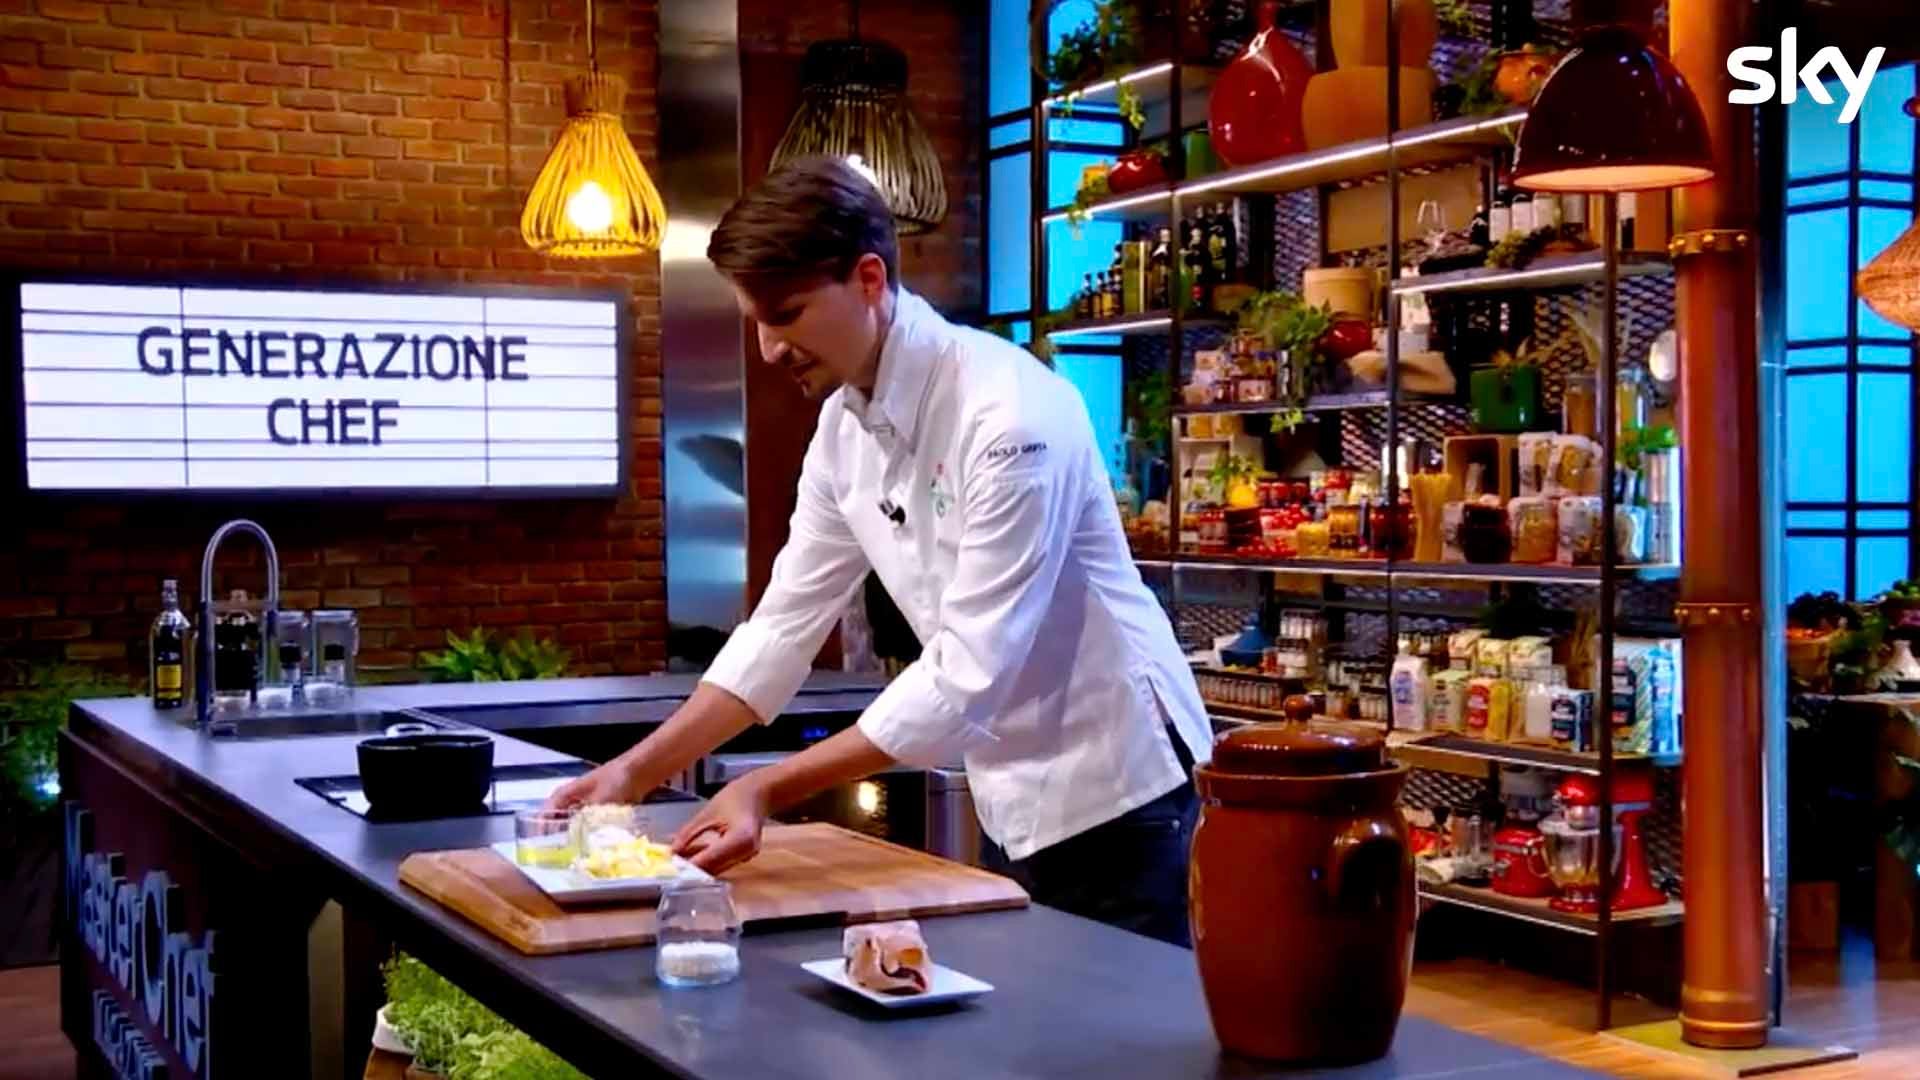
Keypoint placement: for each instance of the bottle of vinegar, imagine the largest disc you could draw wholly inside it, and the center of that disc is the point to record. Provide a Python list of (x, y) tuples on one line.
[(170, 651)]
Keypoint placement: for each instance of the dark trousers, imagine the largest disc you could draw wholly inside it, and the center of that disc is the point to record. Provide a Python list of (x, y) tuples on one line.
[(1130, 872)]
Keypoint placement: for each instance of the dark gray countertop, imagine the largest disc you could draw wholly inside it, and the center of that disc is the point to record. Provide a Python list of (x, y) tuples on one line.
[(1073, 998)]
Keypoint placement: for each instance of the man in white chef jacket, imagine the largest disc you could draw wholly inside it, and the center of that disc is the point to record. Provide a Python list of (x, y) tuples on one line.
[(965, 475)]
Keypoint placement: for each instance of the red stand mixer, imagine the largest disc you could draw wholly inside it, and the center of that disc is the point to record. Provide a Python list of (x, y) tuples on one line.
[(1572, 838)]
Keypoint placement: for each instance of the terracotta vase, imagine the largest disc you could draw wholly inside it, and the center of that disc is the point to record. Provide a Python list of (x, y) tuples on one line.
[(1359, 29), (1254, 110), (1301, 894), (1351, 104)]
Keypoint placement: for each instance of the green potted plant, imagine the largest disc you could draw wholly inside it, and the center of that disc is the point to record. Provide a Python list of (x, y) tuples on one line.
[(477, 657), (1292, 328), (31, 718)]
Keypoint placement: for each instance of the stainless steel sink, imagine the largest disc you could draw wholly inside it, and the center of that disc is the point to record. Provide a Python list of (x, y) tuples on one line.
[(297, 725)]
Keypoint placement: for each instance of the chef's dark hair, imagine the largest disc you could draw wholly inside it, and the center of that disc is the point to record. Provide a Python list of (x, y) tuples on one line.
[(809, 219)]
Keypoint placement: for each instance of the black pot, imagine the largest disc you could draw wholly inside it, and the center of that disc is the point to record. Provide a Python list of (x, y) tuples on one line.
[(439, 773)]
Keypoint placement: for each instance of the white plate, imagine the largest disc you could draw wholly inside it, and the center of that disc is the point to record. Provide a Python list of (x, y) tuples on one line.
[(569, 887), (948, 986)]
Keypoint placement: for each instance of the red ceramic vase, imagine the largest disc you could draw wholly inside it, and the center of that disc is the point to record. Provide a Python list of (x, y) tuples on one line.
[(1139, 169), (1254, 111)]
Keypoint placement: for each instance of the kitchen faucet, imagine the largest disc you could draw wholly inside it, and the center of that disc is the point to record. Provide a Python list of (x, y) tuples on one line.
[(203, 681)]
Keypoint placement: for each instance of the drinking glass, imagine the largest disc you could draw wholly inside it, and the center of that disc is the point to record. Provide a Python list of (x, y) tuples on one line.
[(544, 838), (699, 935)]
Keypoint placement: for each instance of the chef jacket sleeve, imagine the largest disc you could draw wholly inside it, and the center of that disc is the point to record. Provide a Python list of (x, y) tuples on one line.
[(814, 579), (1017, 495)]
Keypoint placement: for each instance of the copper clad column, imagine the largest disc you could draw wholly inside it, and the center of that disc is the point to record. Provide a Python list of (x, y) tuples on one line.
[(1724, 1000)]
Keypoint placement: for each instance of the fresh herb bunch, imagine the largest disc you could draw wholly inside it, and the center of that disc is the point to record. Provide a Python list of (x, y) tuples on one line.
[(478, 658), (452, 1034), (31, 719), (1516, 250)]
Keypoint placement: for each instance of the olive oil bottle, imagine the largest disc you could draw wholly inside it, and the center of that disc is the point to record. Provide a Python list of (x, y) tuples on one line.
[(170, 651)]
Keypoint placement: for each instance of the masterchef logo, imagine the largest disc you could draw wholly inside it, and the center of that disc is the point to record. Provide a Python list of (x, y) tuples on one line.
[(135, 930)]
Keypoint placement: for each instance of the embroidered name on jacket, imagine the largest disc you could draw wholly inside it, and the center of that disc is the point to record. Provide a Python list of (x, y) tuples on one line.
[(1001, 453)]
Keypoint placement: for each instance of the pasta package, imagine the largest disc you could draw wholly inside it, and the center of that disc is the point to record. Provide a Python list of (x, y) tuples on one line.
[(1532, 521), (1580, 530), (1492, 655), (1530, 652), (1461, 647), (1536, 460), (1447, 700), (1576, 467)]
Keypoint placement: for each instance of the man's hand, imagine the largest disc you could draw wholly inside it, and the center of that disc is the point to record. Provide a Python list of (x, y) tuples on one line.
[(726, 832), (610, 783), (710, 717)]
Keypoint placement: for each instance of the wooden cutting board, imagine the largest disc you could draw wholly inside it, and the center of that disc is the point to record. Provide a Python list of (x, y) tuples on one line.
[(802, 870)]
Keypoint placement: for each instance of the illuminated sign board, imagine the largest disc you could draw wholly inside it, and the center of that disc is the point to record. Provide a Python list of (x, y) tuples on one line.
[(164, 387)]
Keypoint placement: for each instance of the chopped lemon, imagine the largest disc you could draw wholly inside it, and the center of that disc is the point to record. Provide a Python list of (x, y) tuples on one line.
[(638, 857)]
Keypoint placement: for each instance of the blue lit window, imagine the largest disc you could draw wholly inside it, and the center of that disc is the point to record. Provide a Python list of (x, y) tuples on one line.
[(1092, 364), (1849, 382)]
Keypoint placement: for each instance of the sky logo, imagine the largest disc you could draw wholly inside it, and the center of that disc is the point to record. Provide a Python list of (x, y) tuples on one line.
[(1743, 64)]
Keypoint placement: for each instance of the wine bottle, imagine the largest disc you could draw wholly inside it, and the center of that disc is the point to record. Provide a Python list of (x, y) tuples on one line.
[(1160, 272)]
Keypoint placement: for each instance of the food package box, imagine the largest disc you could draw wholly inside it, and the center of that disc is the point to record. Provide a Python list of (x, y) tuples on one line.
[(1490, 656), (1461, 648)]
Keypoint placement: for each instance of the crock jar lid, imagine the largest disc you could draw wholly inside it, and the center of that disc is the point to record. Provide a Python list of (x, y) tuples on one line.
[(1276, 749)]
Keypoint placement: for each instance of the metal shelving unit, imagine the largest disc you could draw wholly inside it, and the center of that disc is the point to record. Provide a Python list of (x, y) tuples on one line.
[(1169, 89)]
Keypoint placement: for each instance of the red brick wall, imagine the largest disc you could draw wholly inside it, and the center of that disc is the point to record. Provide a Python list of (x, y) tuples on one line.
[(302, 139), (945, 63)]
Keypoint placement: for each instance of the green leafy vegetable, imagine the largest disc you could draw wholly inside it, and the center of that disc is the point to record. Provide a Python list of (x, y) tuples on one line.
[(454, 1035)]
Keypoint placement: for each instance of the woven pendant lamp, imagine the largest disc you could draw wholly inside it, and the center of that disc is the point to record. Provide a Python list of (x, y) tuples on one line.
[(593, 198), (1890, 284), (853, 105)]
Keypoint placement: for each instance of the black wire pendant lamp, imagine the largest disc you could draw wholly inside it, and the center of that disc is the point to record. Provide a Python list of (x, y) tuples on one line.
[(853, 105)]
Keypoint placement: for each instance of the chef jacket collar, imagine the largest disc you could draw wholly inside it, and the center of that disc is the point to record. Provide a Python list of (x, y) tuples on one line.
[(905, 374)]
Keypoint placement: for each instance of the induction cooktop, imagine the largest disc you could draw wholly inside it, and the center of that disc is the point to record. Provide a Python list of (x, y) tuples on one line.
[(515, 788)]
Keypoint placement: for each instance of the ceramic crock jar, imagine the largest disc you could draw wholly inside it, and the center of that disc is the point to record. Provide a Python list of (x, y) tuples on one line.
[(1301, 893)]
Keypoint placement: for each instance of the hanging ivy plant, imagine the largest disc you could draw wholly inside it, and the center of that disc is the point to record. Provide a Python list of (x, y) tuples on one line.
[(1106, 44)]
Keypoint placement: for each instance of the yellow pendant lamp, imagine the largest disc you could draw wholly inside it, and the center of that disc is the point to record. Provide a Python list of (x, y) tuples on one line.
[(1890, 284), (593, 198)]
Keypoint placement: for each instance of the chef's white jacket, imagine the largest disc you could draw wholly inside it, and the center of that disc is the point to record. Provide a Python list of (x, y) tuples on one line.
[(971, 484)]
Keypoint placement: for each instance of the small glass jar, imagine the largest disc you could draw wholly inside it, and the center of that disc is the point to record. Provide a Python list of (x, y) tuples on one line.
[(699, 935), (544, 838), (1578, 407)]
